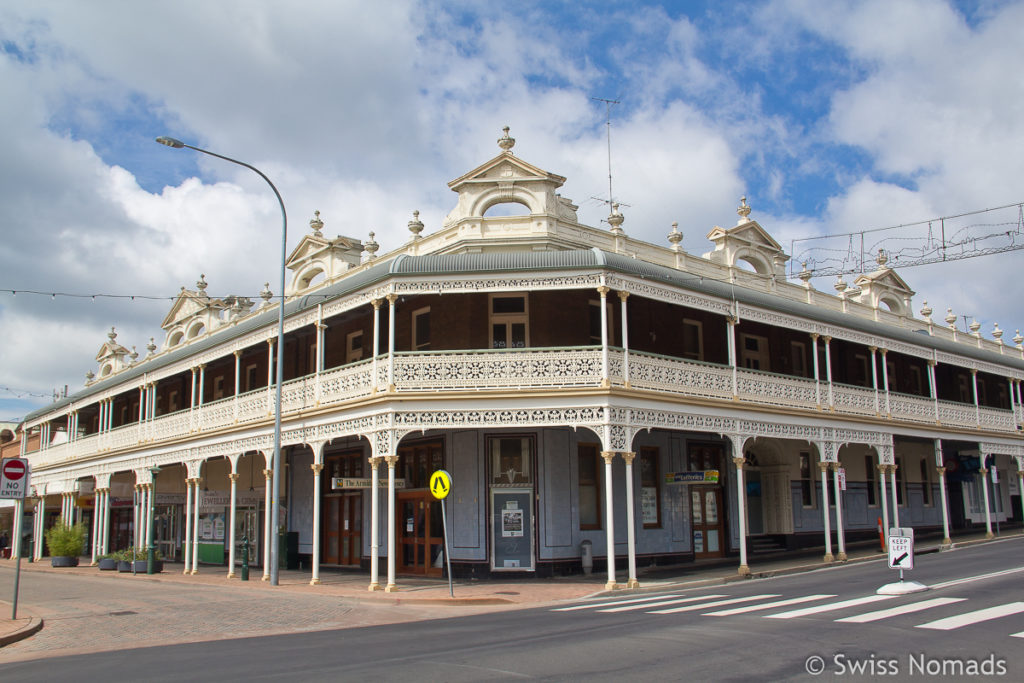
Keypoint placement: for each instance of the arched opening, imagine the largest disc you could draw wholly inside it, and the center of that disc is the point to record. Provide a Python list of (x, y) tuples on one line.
[(750, 265), (507, 208), (311, 278), (176, 338), (196, 330), (106, 370)]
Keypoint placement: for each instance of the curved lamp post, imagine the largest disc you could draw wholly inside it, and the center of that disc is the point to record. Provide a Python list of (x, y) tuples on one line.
[(275, 504)]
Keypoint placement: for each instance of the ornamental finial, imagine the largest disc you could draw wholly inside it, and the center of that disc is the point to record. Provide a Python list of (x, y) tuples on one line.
[(505, 142), (316, 225)]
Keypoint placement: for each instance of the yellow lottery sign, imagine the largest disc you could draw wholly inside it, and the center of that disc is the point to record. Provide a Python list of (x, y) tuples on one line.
[(440, 484)]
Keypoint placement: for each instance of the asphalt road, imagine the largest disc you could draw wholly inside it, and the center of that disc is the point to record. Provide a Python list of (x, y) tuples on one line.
[(970, 621)]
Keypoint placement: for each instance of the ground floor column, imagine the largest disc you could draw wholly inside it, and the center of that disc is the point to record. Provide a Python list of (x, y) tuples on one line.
[(268, 533), (195, 529), (630, 522), (741, 499), (148, 490), (840, 532), (233, 477), (825, 512), (884, 497), (945, 506), (19, 517), (985, 470), (374, 523), (317, 468), (106, 520), (391, 460), (95, 545), (1020, 488), (609, 519), (188, 526), (895, 496)]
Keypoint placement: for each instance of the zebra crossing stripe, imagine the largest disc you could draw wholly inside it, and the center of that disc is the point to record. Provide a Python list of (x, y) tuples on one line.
[(715, 603), (659, 604), (767, 605), (613, 603), (842, 604), (902, 609), (968, 618)]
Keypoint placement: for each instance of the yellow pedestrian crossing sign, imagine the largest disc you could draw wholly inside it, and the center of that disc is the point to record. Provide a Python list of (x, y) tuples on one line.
[(440, 484)]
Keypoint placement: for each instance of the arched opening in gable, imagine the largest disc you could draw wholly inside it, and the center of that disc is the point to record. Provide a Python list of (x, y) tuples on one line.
[(311, 278), (176, 338), (507, 208), (196, 330)]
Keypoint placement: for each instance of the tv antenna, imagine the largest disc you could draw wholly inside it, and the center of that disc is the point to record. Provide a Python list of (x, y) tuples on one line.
[(608, 123)]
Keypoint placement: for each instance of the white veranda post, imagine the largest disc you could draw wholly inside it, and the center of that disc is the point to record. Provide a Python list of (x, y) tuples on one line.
[(609, 456)]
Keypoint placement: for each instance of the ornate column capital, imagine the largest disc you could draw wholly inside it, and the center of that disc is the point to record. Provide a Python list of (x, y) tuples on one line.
[(233, 476), (392, 298), (628, 456), (608, 457), (623, 295), (391, 460), (872, 349), (815, 336), (739, 462), (603, 290), (374, 461), (826, 338), (836, 466), (268, 473), (317, 468), (237, 353), (883, 351), (376, 303), (823, 466), (940, 470)]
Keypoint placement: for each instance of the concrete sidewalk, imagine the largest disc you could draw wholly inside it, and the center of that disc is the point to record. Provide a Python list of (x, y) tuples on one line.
[(417, 598)]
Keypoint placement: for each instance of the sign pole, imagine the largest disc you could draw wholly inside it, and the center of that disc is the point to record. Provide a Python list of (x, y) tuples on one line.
[(17, 564), (447, 557)]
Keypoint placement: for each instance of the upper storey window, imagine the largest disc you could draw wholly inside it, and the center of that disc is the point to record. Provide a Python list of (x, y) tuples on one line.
[(510, 321)]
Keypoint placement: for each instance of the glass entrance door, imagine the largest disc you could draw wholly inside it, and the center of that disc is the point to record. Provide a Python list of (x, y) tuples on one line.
[(708, 527)]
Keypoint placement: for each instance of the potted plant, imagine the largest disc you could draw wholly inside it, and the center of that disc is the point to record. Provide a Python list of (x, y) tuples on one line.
[(124, 560), (141, 560), (108, 562), (65, 542)]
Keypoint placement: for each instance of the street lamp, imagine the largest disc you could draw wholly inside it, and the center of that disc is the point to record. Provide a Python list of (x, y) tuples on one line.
[(275, 504), (150, 548)]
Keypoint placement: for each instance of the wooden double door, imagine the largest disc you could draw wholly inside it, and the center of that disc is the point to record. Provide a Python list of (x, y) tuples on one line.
[(343, 528), (420, 534)]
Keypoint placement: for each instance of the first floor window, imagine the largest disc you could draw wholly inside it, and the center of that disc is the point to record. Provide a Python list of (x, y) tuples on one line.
[(589, 467)]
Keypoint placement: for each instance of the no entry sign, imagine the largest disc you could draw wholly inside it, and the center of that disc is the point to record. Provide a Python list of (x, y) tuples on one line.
[(14, 478)]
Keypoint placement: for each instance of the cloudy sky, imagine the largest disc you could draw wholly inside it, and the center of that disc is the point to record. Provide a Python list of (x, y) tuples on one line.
[(831, 117)]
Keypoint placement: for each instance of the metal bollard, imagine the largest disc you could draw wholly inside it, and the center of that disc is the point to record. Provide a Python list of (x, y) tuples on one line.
[(245, 558)]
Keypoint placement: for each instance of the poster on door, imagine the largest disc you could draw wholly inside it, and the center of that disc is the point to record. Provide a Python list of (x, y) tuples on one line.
[(711, 507), (511, 523), (698, 517)]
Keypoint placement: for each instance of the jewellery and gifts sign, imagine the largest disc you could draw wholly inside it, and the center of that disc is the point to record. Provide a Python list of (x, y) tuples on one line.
[(14, 476), (695, 477), (901, 548)]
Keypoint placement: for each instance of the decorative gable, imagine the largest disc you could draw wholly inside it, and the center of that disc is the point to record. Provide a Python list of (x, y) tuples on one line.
[(111, 356), (316, 255), (747, 241), (194, 313), (884, 289), (508, 179)]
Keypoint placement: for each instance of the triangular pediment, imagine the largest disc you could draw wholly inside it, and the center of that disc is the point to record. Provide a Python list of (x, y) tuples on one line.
[(884, 278), (506, 167), (110, 349), (749, 232), (311, 246)]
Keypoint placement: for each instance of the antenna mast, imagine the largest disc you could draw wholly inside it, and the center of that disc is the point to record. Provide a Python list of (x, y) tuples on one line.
[(608, 123)]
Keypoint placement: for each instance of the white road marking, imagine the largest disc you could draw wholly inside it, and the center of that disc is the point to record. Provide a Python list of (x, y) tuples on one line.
[(902, 609), (980, 577), (950, 623), (659, 604), (829, 607), (613, 602), (716, 603), (767, 605)]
